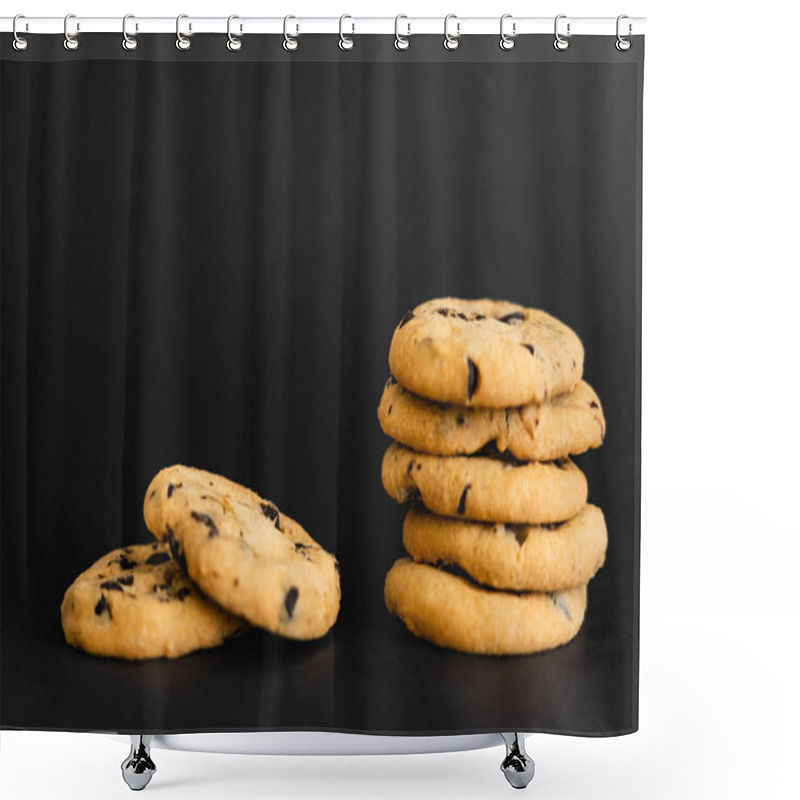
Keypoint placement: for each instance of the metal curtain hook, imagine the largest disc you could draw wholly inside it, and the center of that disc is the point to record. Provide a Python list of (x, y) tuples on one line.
[(128, 42), (233, 43), (623, 44), (70, 42), (289, 42), (182, 42), (401, 42), (507, 42), (20, 42), (346, 42), (451, 42), (560, 42)]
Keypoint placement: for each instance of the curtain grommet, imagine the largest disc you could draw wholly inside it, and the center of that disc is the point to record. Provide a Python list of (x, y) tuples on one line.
[(622, 44), (71, 43), (346, 42), (290, 43), (182, 42), (234, 43), (451, 42), (401, 42), (507, 42), (19, 43), (561, 43), (128, 42)]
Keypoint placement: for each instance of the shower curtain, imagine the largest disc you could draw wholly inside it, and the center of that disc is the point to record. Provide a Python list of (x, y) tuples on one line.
[(206, 255)]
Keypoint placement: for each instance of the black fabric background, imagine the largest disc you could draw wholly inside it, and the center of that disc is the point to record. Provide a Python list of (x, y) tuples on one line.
[(204, 255)]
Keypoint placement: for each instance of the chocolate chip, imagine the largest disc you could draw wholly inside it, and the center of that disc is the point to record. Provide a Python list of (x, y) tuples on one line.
[(462, 503), (445, 312), (472, 378), (157, 558), (520, 531), (126, 580), (513, 318), (391, 381), (593, 405), (560, 604), (300, 546), (407, 317), (152, 494), (183, 593), (271, 512), (206, 520), (410, 466), (460, 419), (170, 489), (175, 548), (125, 562), (102, 606), (530, 348), (290, 600), (410, 494), (389, 411), (111, 586)]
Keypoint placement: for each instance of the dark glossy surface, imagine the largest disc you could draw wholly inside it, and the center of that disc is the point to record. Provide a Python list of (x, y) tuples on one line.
[(203, 261)]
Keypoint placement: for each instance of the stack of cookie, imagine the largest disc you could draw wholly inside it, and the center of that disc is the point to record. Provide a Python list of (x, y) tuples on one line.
[(226, 560), (486, 404)]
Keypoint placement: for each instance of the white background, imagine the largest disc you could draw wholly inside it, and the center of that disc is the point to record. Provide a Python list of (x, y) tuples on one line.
[(721, 423)]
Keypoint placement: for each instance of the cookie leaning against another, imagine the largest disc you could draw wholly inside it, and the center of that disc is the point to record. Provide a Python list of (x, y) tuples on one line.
[(565, 425), (485, 488), (484, 353), (136, 603), (539, 558), (453, 612), (242, 552)]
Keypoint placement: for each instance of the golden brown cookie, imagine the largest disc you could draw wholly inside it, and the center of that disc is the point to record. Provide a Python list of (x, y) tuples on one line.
[(484, 353), (451, 611), (485, 488), (242, 552), (137, 603), (540, 558), (567, 424)]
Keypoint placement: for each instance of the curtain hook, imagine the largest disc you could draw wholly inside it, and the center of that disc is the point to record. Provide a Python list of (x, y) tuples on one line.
[(451, 42), (70, 42), (289, 42), (623, 44), (561, 43), (507, 42), (20, 42), (401, 42), (346, 42), (234, 43), (129, 42), (182, 42)]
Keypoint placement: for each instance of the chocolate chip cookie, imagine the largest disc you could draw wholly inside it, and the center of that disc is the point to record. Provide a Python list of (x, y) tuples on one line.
[(451, 611), (541, 558), (484, 353), (567, 424), (485, 487), (244, 553), (137, 603)]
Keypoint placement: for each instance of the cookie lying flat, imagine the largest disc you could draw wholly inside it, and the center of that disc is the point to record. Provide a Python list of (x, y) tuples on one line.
[(484, 353), (485, 488), (517, 557), (242, 552), (136, 603), (453, 612), (568, 424)]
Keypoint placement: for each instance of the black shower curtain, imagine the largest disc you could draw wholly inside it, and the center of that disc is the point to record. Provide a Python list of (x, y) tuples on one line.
[(204, 257)]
